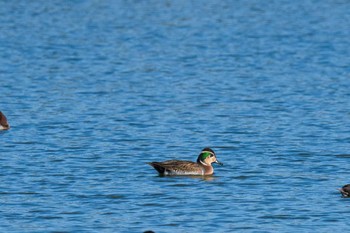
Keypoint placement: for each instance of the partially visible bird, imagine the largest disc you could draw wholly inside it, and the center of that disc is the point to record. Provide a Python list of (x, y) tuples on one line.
[(345, 190), (4, 125)]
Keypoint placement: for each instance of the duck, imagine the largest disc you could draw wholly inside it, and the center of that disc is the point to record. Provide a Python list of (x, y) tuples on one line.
[(345, 190), (202, 167), (4, 125)]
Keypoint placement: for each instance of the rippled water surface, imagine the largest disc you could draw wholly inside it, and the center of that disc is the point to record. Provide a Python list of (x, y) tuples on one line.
[(95, 89)]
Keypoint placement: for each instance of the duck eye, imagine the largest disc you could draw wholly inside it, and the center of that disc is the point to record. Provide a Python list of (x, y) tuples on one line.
[(211, 156)]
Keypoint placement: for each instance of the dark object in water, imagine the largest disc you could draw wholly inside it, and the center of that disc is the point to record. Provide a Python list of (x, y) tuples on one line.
[(4, 125), (345, 190)]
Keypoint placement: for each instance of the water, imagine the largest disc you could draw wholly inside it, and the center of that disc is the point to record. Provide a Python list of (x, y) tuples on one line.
[(95, 89)]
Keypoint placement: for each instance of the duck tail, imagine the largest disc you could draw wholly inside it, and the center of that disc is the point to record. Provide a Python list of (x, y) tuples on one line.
[(158, 167)]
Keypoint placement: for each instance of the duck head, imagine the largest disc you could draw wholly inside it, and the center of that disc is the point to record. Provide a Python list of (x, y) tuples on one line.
[(207, 157), (3, 122)]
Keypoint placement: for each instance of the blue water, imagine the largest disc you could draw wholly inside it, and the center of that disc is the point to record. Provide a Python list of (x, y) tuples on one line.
[(95, 89)]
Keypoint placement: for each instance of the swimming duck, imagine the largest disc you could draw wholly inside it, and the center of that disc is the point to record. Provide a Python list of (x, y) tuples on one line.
[(3, 122), (345, 190), (202, 167)]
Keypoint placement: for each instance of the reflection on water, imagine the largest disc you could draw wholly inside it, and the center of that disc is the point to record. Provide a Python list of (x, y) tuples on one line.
[(204, 178)]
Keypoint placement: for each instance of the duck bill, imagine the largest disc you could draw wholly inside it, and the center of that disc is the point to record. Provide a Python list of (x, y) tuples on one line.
[(219, 163)]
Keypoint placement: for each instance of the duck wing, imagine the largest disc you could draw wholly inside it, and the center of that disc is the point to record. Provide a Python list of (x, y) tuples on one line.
[(177, 167)]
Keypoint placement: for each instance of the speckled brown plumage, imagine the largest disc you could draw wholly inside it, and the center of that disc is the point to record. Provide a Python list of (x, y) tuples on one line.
[(203, 166)]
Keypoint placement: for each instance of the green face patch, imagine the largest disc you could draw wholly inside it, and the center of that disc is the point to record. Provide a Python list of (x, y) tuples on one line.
[(205, 155)]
